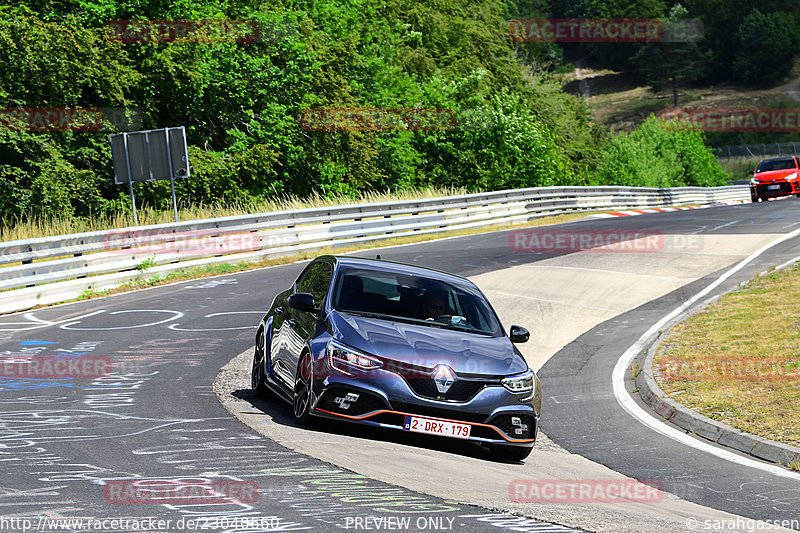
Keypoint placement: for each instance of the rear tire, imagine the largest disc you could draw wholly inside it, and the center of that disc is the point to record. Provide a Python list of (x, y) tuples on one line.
[(511, 453)]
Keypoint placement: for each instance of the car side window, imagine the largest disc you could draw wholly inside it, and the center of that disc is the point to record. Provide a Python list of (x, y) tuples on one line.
[(321, 283), (306, 280)]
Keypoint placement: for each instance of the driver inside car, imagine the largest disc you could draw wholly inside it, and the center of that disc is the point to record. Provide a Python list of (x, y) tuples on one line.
[(433, 306)]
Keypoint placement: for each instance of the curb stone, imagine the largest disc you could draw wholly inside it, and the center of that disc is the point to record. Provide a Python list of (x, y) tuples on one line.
[(717, 432)]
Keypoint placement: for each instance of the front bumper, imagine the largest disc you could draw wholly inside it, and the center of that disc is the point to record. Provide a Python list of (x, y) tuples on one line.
[(774, 189), (384, 399)]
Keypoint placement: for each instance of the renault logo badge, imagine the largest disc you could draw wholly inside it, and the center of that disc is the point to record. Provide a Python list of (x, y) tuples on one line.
[(444, 377)]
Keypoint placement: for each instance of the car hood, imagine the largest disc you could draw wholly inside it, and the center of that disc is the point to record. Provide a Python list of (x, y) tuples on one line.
[(426, 346), (777, 175)]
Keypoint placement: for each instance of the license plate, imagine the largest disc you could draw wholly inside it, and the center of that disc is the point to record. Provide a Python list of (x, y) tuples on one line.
[(431, 426), (773, 187)]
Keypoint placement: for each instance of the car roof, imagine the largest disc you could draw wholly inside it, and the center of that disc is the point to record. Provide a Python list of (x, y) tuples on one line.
[(781, 158), (399, 268)]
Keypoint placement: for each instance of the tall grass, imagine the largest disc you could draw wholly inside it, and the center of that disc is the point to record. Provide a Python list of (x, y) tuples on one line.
[(33, 227), (739, 166)]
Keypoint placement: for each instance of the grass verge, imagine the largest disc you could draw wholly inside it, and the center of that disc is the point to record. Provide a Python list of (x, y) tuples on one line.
[(738, 361), (31, 228)]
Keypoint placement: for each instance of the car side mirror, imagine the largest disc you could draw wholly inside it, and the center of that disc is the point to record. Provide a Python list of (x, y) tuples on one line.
[(751, 171), (302, 301), (519, 334)]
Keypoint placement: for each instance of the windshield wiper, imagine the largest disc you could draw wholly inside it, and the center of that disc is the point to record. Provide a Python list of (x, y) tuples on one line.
[(363, 313)]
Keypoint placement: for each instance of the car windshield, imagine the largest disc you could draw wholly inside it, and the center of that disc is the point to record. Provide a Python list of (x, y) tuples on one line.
[(410, 298), (775, 164)]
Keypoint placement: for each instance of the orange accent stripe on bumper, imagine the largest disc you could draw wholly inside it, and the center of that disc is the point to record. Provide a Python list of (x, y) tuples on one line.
[(362, 417)]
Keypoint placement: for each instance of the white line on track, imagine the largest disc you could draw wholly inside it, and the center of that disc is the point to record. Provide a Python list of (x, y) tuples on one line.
[(628, 404), (175, 327), (724, 225)]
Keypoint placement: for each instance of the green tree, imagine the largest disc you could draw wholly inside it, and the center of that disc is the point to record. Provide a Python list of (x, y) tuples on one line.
[(767, 45), (721, 19), (670, 63), (611, 55)]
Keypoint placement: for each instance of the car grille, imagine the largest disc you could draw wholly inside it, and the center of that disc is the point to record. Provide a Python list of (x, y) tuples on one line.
[(420, 381), (785, 188), (438, 412), (366, 402), (461, 390)]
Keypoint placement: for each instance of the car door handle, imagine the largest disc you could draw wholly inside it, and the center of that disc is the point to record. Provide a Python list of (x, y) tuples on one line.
[(279, 310), (290, 322)]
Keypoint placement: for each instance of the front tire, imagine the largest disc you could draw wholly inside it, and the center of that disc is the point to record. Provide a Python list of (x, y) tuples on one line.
[(302, 390), (257, 378)]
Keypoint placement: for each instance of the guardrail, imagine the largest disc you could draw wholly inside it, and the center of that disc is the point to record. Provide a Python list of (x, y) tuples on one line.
[(53, 269)]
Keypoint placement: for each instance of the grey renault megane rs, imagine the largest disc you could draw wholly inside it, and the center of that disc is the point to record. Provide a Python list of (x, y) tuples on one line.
[(398, 346)]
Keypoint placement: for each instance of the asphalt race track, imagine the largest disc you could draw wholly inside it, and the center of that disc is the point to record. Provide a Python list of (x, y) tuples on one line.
[(85, 448)]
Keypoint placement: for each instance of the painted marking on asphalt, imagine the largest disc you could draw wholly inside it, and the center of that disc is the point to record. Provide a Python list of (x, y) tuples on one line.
[(175, 327), (176, 315), (699, 230), (627, 402), (724, 225), (36, 323)]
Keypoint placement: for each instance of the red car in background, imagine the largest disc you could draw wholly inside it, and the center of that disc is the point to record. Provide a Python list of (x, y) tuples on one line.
[(775, 177)]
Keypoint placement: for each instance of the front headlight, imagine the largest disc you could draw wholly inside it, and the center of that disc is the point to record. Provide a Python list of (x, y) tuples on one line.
[(345, 359), (519, 384)]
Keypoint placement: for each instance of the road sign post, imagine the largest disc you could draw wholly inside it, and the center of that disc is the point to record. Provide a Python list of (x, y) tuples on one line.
[(150, 155)]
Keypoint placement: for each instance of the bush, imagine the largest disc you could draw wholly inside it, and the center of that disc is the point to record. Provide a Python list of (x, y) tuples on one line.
[(659, 154)]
